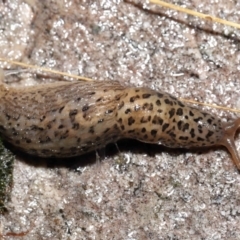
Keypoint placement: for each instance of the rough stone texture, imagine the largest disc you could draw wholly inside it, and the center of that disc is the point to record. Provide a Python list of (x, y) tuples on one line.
[(147, 192)]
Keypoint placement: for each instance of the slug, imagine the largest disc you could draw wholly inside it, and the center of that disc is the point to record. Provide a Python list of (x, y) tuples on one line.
[(66, 119)]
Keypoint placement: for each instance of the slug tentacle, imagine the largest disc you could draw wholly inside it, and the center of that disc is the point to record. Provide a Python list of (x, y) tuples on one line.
[(227, 140)]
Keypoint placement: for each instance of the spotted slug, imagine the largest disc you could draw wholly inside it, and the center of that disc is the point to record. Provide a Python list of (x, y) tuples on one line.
[(66, 119)]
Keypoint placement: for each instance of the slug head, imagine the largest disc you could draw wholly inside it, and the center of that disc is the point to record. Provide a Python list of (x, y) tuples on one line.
[(159, 118)]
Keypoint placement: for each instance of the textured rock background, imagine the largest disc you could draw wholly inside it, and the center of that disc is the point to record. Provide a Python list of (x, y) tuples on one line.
[(150, 192)]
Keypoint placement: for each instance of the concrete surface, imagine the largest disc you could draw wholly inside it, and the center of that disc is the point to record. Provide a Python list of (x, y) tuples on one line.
[(146, 192)]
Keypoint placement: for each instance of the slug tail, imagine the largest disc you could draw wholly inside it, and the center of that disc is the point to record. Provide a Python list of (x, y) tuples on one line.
[(229, 131)]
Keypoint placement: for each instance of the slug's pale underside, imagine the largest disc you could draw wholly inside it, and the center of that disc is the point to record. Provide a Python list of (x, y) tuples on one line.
[(66, 119)]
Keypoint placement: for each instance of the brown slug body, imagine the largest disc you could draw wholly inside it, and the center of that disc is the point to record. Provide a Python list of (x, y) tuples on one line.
[(66, 119)]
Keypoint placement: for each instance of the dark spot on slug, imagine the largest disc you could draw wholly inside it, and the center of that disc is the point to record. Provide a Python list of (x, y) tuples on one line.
[(192, 133), (154, 132), (179, 112), (52, 110), (98, 139), (200, 139), (28, 140), (197, 119), (158, 102), (185, 127), (191, 113), (14, 132), (180, 104), (171, 113), (108, 111), (179, 124), (146, 95), (60, 109), (75, 126), (60, 126), (165, 126), (36, 128), (167, 101), (86, 116), (127, 111), (157, 120), (143, 130), (91, 130), (147, 106), (209, 121), (64, 135), (132, 99), (200, 130), (209, 134), (120, 120), (85, 108), (72, 114), (99, 99), (131, 121), (172, 135)]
